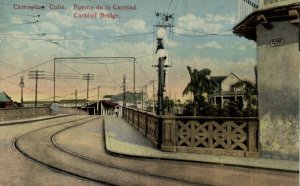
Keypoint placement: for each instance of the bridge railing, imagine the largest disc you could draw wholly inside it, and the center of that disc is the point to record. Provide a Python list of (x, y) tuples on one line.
[(210, 135)]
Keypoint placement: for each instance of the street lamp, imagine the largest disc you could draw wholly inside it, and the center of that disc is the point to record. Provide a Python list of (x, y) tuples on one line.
[(124, 86), (22, 85), (161, 53)]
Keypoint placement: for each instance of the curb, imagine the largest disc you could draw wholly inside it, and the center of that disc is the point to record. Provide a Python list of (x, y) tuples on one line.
[(16, 122)]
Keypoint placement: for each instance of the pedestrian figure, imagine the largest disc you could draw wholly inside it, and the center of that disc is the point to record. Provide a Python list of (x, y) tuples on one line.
[(117, 111)]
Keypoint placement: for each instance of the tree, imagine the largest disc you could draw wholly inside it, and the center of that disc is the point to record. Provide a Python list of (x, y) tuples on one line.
[(199, 84), (250, 92)]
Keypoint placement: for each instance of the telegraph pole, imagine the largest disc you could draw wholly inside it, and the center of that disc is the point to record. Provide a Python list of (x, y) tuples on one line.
[(87, 77), (124, 90), (36, 75), (134, 93), (76, 98), (98, 100), (54, 79)]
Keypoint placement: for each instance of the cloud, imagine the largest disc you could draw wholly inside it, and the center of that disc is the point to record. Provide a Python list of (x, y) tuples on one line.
[(135, 25), (242, 47), (60, 19), (122, 49), (131, 26), (209, 23), (211, 44), (49, 27), (227, 19)]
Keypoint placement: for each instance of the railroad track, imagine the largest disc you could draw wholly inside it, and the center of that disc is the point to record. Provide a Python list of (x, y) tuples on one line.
[(52, 167), (55, 145)]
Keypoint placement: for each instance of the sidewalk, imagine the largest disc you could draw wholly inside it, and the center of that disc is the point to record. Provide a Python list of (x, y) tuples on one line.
[(28, 120), (122, 138)]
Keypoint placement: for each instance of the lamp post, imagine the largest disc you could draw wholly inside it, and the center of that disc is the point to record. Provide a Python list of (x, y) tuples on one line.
[(22, 85), (161, 52), (124, 88)]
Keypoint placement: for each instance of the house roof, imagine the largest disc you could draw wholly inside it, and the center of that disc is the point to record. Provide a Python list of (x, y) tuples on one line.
[(218, 79), (247, 27), (109, 103), (4, 97), (108, 96)]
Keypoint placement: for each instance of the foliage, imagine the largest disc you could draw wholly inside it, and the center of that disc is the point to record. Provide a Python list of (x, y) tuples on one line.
[(199, 84), (210, 110)]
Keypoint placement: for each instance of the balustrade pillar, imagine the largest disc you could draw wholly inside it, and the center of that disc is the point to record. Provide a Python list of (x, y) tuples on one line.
[(168, 135)]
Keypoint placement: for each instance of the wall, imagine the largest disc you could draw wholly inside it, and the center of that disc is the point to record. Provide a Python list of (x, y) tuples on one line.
[(264, 4), (278, 91), (23, 113), (228, 82), (73, 111)]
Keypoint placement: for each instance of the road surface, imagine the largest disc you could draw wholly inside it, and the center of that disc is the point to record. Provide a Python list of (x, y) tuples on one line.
[(71, 151)]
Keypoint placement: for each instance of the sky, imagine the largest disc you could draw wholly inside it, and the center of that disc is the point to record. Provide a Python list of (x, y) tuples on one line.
[(202, 37)]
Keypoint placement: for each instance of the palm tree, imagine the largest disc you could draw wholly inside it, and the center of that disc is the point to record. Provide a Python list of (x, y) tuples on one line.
[(200, 83)]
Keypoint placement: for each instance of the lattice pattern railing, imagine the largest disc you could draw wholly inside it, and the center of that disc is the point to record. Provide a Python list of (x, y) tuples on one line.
[(226, 136), (210, 134)]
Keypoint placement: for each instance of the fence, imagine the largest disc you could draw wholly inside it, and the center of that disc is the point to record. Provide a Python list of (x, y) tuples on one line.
[(23, 113), (210, 135), (245, 7)]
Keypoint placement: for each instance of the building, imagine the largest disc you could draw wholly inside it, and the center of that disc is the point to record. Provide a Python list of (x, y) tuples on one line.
[(275, 27), (226, 91), (5, 100)]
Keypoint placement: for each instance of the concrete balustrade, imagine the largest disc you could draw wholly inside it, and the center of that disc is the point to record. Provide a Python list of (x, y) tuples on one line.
[(23, 113), (210, 135)]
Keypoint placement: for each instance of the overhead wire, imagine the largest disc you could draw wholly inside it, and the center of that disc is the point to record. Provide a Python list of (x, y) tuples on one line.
[(175, 6), (169, 6), (203, 35), (25, 70), (111, 75), (11, 66)]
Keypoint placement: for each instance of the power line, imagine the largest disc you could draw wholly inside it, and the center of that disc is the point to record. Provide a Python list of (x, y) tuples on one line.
[(169, 6), (203, 35), (10, 66), (26, 70), (19, 14), (143, 70), (111, 76), (175, 6), (74, 39)]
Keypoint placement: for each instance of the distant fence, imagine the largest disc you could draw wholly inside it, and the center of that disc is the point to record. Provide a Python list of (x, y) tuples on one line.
[(23, 113), (210, 135)]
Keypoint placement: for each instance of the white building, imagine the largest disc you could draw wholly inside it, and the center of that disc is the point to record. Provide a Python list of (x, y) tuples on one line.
[(226, 92)]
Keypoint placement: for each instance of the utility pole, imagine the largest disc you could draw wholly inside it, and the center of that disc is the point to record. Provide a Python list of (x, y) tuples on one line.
[(153, 97), (124, 90), (134, 93), (142, 98), (36, 75), (76, 98), (22, 85), (98, 100), (54, 79), (87, 77), (165, 20)]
